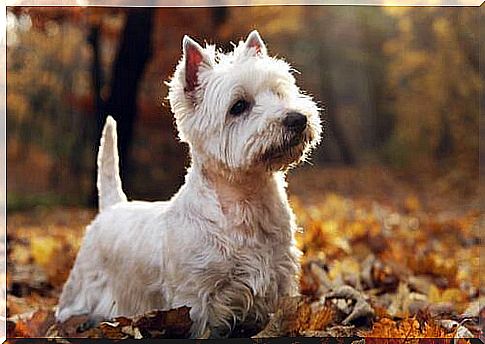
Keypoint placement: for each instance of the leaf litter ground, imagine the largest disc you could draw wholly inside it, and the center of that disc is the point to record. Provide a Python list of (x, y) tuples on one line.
[(385, 256)]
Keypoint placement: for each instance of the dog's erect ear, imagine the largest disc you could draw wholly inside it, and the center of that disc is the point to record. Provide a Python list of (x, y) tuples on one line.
[(194, 56), (255, 43)]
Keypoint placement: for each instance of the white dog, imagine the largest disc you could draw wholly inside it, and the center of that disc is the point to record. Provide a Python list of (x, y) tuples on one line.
[(224, 244)]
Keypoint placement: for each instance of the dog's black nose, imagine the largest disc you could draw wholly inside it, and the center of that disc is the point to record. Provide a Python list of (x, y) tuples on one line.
[(295, 121)]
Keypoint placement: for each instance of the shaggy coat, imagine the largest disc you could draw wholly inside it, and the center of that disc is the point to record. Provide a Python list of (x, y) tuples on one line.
[(224, 244)]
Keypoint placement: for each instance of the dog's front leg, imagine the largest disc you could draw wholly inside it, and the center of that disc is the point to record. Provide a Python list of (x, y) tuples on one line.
[(211, 320), (220, 309)]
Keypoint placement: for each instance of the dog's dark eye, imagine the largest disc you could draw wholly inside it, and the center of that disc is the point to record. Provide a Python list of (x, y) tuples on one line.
[(239, 107)]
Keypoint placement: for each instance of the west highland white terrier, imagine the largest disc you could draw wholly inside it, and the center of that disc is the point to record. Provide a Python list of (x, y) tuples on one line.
[(224, 245)]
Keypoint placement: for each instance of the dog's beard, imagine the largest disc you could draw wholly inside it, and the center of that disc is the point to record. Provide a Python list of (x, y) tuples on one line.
[(286, 152)]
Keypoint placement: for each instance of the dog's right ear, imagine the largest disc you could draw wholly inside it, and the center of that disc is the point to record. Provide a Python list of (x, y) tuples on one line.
[(194, 56)]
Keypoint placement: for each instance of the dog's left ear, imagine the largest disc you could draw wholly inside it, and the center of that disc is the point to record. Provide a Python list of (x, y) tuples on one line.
[(255, 44)]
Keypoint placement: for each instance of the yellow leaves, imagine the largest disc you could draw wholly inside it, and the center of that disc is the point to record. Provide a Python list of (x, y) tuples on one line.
[(297, 316), (407, 328), (406, 238), (452, 295), (400, 255), (412, 204), (435, 263), (51, 245), (357, 229), (43, 249), (29, 303), (310, 318), (34, 325), (20, 254), (54, 257), (347, 266), (329, 226), (325, 234)]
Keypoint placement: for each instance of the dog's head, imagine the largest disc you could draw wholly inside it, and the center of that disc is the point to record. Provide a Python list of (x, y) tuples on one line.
[(242, 110)]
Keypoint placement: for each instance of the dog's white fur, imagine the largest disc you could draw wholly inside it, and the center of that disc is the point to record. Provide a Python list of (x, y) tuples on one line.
[(224, 244)]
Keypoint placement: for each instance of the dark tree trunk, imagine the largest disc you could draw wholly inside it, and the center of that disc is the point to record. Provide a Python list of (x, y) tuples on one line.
[(97, 81), (445, 144), (337, 132), (219, 16), (133, 53), (96, 78), (331, 121)]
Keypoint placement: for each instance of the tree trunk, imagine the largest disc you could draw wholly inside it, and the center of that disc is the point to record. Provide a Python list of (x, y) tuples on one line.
[(96, 78), (332, 124), (134, 51), (97, 81)]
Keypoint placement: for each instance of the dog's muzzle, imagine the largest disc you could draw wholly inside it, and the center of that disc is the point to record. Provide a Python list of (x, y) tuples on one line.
[(294, 137)]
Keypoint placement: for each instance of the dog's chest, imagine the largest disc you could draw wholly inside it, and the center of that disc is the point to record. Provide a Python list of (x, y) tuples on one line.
[(258, 245), (261, 221)]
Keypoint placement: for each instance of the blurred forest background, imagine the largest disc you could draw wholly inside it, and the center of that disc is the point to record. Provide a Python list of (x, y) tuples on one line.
[(400, 87), (390, 205)]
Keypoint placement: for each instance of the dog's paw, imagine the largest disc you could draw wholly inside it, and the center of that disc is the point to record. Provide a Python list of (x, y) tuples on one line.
[(90, 323)]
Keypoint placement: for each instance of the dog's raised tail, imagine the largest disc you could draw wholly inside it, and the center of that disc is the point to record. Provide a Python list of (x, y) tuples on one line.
[(109, 181)]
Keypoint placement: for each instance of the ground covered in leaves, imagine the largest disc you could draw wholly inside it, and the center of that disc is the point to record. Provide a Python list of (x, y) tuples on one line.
[(385, 256)]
